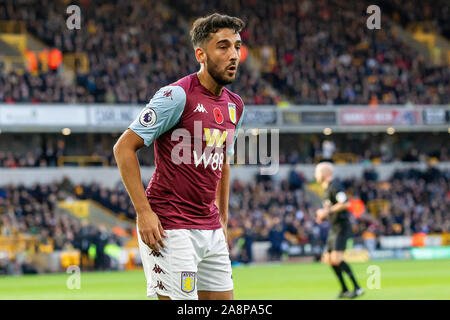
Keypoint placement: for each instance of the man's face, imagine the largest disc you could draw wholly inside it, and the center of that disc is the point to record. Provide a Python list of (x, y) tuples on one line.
[(318, 175), (223, 52)]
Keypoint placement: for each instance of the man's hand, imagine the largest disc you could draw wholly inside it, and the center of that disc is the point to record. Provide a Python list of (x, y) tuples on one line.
[(321, 215), (150, 230)]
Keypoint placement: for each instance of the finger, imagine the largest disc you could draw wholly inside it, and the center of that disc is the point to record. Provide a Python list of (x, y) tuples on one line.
[(152, 242), (158, 238), (143, 237), (161, 230), (145, 240)]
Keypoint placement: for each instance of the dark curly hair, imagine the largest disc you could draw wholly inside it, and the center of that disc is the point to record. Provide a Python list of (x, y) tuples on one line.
[(203, 27)]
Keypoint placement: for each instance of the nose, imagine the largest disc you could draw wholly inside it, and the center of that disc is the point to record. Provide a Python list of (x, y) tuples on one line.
[(234, 55)]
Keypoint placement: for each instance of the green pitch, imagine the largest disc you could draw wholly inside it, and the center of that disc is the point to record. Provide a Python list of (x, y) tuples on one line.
[(399, 280)]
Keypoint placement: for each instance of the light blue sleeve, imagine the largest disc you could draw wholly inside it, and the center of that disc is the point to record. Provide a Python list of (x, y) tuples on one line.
[(161, 114), (230, 150)]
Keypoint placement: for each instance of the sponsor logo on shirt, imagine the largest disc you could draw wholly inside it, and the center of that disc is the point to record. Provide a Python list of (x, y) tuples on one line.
[(200, 108), (214, 138)]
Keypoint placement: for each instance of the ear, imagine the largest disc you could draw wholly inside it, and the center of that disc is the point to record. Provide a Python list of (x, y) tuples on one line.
[(200, 55)]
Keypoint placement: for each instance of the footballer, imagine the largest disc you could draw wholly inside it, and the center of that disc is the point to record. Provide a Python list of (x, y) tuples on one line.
[(182, 215)]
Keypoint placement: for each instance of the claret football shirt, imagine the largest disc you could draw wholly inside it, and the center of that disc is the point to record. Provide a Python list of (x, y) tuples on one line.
[(192, 130)]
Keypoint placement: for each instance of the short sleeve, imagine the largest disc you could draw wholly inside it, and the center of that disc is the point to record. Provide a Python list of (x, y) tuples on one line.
[(230, 150), (161, 114), (341, 197), (338, 193)]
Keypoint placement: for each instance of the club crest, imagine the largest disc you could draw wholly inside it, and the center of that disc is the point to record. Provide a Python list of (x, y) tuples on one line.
[(232, 112), (187, 281)]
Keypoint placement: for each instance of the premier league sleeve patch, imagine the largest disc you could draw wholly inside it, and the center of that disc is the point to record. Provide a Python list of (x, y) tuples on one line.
[(148, 117), (341, 197)]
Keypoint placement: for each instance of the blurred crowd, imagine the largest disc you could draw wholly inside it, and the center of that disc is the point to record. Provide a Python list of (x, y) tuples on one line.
[(281, 212), (33, 211), (133, 49), (325, 54), (322, 51), (52, 150), (410, 11)]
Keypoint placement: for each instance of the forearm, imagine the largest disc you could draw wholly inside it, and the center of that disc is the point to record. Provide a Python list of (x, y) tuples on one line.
[(338, 207), (129, 169), (222, 195)]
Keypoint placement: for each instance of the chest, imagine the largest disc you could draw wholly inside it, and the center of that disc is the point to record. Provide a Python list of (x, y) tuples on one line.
[(208, 117)]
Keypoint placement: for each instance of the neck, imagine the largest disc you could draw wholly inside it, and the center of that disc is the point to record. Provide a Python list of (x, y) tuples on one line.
[(326, 183), (208, 82)]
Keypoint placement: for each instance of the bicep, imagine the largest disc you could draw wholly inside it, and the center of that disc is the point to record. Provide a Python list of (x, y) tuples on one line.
[(226, 165), (130, 140)]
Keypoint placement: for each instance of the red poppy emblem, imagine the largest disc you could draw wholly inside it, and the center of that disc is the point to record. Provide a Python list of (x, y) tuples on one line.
[(218, 115)]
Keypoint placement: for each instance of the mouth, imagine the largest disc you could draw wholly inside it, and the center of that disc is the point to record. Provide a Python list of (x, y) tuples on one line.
[(232, 69)]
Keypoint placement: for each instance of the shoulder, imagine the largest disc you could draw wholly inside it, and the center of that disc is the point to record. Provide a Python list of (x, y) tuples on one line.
[(236, 99), (337, 189), (187, 83), (171, 94), (336, 185)]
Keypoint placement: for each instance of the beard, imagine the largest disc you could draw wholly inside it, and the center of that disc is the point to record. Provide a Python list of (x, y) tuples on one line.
[(217, 74)]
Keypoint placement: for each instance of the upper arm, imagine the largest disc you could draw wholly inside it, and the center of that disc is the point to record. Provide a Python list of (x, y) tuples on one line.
[(226, 166), (162, 113), (129, 140)]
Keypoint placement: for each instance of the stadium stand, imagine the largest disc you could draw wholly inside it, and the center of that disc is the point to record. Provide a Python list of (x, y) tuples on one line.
[(130, 55), (56, 150), (308, 53), (322, 55), (282, 212), (311, 58)]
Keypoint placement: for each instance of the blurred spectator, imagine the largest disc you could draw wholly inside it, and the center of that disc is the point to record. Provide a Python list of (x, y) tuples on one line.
[(313, 52), (276, 238)]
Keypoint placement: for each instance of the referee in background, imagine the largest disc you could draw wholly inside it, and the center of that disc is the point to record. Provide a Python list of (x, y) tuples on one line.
[(335, 208)]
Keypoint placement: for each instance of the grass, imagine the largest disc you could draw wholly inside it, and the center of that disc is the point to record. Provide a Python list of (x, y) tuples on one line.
[(407, 279)]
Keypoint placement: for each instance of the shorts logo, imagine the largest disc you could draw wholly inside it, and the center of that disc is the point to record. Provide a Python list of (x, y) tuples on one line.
[(187, 281), (157, 269), (147, 117), (232, 112), (156, 254), (160, 285), (218, 115)]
